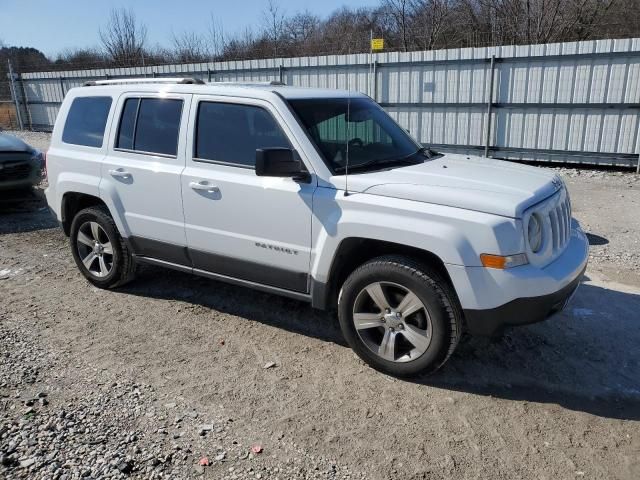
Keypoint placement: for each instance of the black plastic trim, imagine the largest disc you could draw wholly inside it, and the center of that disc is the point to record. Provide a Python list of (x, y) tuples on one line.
[(319, 295), (251, 271), (521, 311), (168, 252), (219, 264)]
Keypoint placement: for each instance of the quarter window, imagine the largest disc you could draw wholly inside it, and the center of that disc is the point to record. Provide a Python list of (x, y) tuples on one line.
[(86, 121), (231, 133), (150, 125)]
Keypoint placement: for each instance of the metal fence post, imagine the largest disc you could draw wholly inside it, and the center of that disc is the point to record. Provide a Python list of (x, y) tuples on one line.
[(375, 80), (489, 105), (14, 94), (281, 73), (27, 110)]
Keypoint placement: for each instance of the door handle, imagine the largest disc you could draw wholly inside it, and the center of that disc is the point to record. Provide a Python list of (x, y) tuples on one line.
[(204, 185), (119, 173)]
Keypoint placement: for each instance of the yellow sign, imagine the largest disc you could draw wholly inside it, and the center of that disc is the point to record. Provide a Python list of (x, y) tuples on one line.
[(377, 43)]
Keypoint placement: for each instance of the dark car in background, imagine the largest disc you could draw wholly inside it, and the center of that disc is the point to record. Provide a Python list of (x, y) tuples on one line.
[(21, 165)]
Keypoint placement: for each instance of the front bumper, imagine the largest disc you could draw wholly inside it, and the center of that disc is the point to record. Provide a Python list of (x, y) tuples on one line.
[(521, 311), (493, 299), (33, 177)]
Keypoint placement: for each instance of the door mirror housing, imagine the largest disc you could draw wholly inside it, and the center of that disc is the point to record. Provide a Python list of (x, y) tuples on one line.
[(280, 162)]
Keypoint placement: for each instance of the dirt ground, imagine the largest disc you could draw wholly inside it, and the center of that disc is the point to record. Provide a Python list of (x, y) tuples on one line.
[(169, 354)]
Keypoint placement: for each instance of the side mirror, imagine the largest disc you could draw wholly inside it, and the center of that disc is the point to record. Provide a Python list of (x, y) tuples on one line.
[(279, 162)]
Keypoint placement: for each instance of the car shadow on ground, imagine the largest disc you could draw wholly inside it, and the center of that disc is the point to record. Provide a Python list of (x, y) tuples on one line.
[(585, 359), (24, 211), (596, 239)]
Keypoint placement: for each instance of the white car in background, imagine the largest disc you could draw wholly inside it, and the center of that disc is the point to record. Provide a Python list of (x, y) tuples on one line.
[(317, 195)]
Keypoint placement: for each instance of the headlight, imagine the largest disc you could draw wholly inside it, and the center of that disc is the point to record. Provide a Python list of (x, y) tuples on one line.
[(534, 232)]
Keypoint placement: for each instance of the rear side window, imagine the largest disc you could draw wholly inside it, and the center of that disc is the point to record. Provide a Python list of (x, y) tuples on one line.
[(150, 125), (231, 133), (86, 121)]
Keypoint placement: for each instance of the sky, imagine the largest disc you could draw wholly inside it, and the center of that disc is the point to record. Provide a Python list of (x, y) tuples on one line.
[(52, 26)]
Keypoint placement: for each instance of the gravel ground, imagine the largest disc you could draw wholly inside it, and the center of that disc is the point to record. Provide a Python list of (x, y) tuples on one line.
[(147, 381)]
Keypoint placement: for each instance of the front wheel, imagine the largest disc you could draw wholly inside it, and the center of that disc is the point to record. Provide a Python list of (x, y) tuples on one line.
[(98, 249), (399, 316)]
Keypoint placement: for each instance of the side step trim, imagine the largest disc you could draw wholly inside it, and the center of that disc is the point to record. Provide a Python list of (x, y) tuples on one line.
[(305, 297)]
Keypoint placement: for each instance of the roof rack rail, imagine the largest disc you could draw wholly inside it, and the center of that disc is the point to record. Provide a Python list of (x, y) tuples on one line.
[(125, 81), (248, 83)]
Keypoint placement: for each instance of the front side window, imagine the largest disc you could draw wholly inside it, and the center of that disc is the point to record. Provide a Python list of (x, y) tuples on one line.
[(150, 125), (231, 133), (86, 121), (360, 128)]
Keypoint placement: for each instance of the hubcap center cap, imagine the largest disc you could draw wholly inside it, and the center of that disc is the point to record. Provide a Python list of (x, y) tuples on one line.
[(393, 319)]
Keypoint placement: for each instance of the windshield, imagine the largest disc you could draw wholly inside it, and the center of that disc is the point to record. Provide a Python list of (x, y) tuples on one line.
[(360, 127)]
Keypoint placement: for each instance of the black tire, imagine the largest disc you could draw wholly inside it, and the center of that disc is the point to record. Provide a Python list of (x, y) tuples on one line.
[(437, 297), (123, 265)]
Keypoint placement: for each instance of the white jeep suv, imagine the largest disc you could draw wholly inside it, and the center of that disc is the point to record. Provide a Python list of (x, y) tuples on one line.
[(318, 195)]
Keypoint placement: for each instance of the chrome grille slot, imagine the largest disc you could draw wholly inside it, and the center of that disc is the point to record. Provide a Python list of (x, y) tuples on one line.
[(555, 227)]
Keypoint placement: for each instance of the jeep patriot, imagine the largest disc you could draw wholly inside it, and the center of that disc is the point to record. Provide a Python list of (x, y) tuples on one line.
[(318, 195)]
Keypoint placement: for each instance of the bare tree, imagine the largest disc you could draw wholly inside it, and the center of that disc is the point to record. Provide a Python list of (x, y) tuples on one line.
[(430, 20), (189, 47), (274, 20), (123, 38), (216, 37), (80, 58), (400, 12)]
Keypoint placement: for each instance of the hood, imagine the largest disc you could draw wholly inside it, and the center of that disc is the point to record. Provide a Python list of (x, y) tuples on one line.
[(9, 143), (473, 183)]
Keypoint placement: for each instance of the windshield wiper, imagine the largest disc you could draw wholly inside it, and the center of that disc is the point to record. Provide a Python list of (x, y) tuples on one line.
[(383, 162), (377, 163)]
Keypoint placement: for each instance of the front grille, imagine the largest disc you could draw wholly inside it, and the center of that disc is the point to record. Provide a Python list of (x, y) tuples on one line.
[(14, 171), (560, 219), (555, 215)]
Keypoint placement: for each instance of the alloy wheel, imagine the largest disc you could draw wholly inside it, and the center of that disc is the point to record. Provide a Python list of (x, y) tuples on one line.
[(94, 249), (392, 321)]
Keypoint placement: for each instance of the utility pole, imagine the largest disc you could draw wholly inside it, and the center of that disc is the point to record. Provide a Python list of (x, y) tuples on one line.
[(14, 94)]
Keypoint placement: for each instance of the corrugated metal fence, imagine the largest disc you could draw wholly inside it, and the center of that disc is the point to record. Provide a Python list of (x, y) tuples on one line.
[(566, 102)]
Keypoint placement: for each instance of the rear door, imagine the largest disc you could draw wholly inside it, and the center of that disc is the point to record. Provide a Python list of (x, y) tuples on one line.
[(141, 173), (238, 224)]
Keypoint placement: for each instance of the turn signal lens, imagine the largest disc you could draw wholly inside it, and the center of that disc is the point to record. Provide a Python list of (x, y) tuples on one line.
[(502, 262)]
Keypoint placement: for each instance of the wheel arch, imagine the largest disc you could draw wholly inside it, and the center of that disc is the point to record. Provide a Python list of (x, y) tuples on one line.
[(72, 203), (353, 252)]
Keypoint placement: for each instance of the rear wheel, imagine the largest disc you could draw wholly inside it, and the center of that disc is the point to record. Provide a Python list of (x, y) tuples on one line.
[(399, 316), (98, 249)]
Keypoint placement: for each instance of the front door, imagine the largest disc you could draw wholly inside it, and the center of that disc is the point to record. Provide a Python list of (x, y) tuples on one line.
[(238, 224)]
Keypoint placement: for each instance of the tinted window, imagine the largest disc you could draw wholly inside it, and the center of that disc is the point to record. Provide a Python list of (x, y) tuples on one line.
[(231, 133), (127, 123), (150, 125), (86, 121)]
